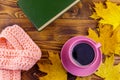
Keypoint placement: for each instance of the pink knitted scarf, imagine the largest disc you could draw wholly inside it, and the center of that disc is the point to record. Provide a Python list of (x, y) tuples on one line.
[(17, 52)]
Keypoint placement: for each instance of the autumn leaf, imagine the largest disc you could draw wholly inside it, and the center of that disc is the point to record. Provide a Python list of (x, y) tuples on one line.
[(117, 41), (107, 13), (109, 39), (109, 71), (53, 70)]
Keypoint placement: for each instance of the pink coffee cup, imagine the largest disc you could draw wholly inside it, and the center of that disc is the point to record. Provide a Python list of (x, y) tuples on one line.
[(72, 65)]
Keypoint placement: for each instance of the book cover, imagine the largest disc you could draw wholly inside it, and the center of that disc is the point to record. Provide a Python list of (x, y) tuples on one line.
[(43, 12)]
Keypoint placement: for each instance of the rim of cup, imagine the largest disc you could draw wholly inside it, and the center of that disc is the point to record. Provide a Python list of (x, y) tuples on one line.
[(79, 41)]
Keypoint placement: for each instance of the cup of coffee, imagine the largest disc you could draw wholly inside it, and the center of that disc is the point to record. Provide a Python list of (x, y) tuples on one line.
[(81, 56)]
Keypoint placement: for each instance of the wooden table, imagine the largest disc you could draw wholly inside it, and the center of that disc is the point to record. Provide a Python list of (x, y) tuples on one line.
[(74, 22)]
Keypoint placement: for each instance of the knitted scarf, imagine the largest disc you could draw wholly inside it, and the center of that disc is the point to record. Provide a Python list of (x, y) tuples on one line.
[(17, 52)]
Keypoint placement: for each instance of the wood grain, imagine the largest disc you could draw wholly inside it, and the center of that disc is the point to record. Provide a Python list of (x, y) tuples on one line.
[(74, 22)]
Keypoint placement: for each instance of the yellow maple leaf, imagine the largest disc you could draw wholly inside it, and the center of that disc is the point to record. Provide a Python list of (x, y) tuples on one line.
[(117, 41), (109, 39), (53, 70), (107, 13), (108, 70)]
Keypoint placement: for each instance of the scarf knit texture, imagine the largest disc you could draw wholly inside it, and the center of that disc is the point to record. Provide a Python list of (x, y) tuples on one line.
[(17, 52)]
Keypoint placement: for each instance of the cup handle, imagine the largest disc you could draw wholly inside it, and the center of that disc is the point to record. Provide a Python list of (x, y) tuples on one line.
[(98, 45)]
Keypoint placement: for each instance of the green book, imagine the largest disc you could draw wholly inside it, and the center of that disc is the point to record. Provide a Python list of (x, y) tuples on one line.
[(43, 12)]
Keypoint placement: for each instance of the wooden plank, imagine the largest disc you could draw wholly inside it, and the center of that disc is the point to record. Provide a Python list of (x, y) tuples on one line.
[(74, 22), (57, 32)]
